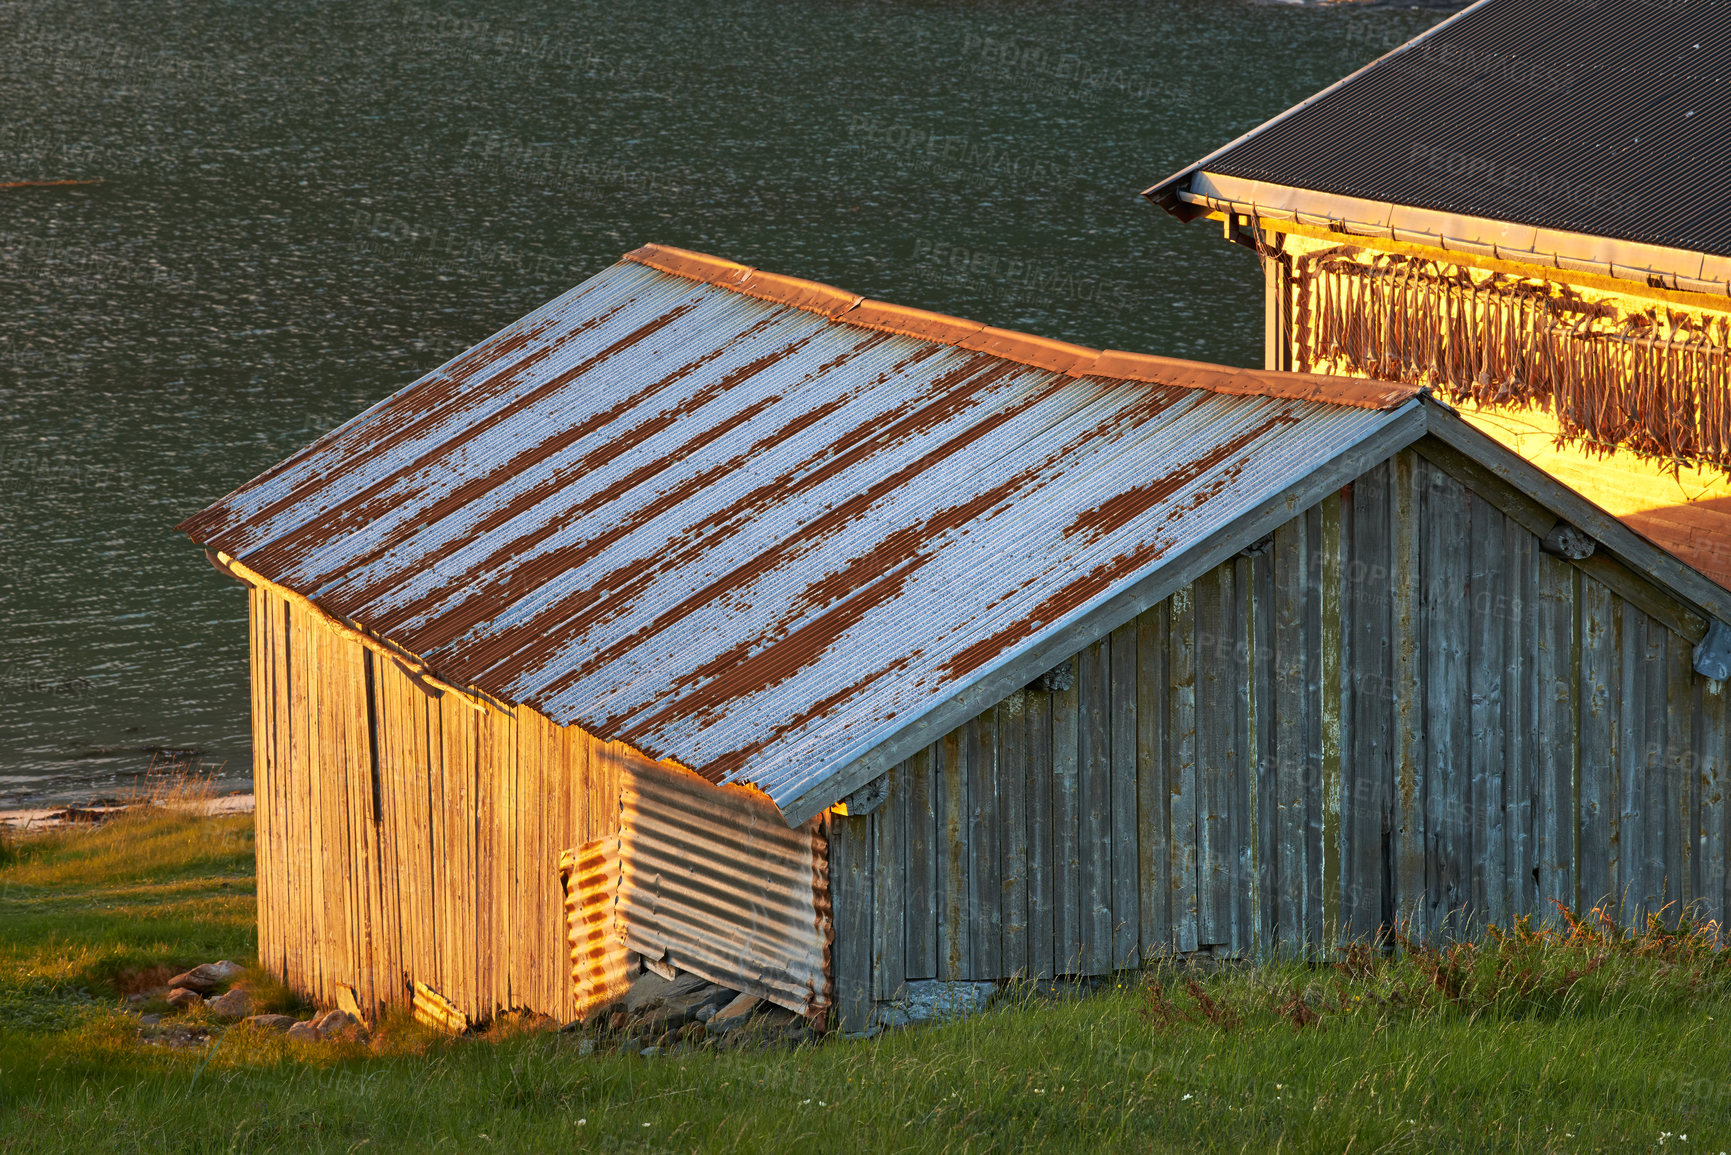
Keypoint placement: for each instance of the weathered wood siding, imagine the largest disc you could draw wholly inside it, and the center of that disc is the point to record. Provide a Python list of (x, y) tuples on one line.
[(406, 836), (1395, 709)]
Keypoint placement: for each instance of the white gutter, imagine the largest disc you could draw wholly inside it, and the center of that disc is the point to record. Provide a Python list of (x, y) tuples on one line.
[(1655, 266)]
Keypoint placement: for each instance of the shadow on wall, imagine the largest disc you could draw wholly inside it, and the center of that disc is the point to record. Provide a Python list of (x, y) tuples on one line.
[(1699, 532)]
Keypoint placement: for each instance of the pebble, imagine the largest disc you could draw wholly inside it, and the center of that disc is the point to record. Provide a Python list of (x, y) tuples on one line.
[(183, 999), (272, 1022)]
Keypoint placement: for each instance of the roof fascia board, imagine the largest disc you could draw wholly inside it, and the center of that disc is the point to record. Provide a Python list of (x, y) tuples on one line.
[(1655, 266), (1164, 192), (877, 753), (1657, 565)]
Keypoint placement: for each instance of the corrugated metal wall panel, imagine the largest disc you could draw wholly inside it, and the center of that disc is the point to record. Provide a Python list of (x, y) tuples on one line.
[(590, 876), (714, 882)]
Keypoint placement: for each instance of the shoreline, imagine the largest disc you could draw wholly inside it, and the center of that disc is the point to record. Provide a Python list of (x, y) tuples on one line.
[(56, 817)]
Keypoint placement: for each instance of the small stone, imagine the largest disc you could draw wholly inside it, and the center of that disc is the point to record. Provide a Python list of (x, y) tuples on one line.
[(650, 1052), (305, 1032), (272, 1022), (149, 1020), (331, 1024), (734, 1014), (182, 999), (236, 1004), (139, 999), (704, 1014), (585, 1046), (206, 977), (631, 1046)]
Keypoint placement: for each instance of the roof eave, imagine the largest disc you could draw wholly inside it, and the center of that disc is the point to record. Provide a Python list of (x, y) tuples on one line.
[(875, 754), (1656, 266)]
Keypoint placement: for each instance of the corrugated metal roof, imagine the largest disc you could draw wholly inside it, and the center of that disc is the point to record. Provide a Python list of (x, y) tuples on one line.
[(1594, 118), (683, 513)]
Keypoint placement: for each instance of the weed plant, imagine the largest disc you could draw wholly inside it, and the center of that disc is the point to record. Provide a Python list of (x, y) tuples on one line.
[(1573, 1035)]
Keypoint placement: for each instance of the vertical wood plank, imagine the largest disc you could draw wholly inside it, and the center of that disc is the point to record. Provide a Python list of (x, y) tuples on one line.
[(1013, 801), (1447, 703), (1630, 880), (1557, 821), (986, 920), (1126, 913), (956, 960), (1042, 873), (921, 922), (1153, 819), (1314, 727), (1181, 771), (1371, 679), (1289, 754), (1520, 711), (1680, 776), (1066, 830), (1713, 735), (1216, 753), (1599, 737), (1331, 629), (1487, 662), (888, 881), (1249, 657), (1264, 766), (1407, 666), (850, 881), (1655, 793), (1094, 786)]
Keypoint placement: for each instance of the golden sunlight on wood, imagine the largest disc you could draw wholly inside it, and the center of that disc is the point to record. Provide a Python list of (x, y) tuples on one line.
[(1688, 514)]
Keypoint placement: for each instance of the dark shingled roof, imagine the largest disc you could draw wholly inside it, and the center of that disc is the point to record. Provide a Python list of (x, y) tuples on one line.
[(1605, 117)]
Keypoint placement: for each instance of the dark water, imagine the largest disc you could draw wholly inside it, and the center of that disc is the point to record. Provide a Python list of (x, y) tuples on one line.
[(303, 206)]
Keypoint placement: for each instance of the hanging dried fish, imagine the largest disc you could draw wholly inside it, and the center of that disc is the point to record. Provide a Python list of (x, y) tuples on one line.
[(1659, 385)]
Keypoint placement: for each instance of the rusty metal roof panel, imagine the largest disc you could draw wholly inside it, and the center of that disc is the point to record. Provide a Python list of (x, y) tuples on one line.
[(744, 533)]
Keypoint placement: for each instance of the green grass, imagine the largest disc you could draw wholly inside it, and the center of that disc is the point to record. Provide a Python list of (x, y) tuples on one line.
[(1583, 1041)]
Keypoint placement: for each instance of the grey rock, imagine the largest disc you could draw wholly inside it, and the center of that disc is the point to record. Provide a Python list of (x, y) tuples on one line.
[(651, 992), (631, 1046), (734, 1014), (705, 1013), (585, 1046), (182, 999), (332, 1023), (650, 1052), (236, 1004), (305, 1032), (648, 990), (678, 1009), (206, 977), (933, 1000), (272, 1022), (149, 1020)]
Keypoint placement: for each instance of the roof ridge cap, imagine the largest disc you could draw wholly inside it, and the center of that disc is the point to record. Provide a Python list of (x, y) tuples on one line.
[(1029, 349)]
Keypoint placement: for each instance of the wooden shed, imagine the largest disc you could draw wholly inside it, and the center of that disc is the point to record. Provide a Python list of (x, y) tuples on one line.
[(713, 620), (1488, 212)]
